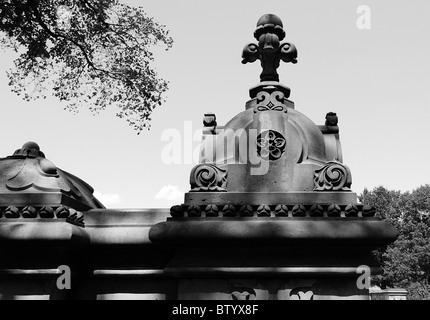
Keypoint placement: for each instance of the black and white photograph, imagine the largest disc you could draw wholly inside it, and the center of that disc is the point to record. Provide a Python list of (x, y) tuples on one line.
[(214, 154)]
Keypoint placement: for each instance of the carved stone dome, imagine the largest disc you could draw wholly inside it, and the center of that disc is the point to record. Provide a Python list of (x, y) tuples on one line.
[(271, 147), (32, 186)]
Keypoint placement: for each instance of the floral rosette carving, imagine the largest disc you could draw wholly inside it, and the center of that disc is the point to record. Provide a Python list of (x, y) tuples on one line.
[(208, 177), (270, 145), (334, 176)]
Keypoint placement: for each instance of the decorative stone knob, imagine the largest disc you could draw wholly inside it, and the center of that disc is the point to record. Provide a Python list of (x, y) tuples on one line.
[(209, 120), (331, 119), (30, 149)]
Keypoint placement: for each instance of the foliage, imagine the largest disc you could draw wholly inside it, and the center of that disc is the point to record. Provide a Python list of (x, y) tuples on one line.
[(406, 262), (92, 53)]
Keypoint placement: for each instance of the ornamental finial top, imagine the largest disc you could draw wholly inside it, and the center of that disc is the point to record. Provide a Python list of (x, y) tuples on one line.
[(270, 51)]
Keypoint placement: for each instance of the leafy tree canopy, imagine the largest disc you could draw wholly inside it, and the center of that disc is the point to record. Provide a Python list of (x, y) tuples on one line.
[(406, 262), (92, 53)]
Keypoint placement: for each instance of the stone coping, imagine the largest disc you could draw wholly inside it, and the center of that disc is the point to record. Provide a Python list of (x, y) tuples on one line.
[(336, 271), (47, 233), (271, 198), (370, 232)]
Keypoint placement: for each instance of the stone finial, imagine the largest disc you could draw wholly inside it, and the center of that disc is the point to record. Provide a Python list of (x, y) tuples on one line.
[(331, 119), (209, 120), (30, 149), (269, 50)]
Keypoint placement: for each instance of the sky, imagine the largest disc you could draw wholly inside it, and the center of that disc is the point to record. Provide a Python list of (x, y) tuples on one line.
[(377, 80)]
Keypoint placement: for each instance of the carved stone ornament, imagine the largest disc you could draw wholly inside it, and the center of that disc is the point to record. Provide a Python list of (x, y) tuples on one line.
[(334, 176), (270, 101), (45, 212), (269, 51), (331, 119), (281, 210), (220, 210), (209, 120), (270, 145), (208, 177), (301, 294), (28, 171)]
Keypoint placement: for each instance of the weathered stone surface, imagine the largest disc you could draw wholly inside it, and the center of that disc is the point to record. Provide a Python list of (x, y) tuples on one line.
[(236, 150), (27, 178), (276, 231), (271, 198)]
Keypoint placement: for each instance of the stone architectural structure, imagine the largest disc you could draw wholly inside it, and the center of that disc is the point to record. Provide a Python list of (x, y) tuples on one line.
[(270, 214), (388, 294)]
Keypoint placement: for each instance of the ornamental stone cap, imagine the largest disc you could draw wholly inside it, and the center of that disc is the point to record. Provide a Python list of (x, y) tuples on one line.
[(271, 160), (28, 179), (270, 178)]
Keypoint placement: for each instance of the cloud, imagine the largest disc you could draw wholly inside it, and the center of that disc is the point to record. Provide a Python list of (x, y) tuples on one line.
[(108, 199), (169, 192)]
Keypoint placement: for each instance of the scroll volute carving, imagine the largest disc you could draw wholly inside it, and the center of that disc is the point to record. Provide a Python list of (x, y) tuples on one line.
[(270, 101), (208, 177), (334, 176)]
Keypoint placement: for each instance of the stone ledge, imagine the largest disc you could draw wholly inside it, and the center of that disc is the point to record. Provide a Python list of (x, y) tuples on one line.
[(120, 217), (48, 233), (271, 198), (266, 271), (274, 232), (122, 227), (129, 273), (30, 272)]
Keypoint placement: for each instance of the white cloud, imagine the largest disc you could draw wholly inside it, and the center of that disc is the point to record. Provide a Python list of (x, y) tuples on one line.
[(169, 192), (108, 199)]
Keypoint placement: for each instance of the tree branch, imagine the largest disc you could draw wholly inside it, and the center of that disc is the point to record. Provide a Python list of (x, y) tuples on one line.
[(33, 5)]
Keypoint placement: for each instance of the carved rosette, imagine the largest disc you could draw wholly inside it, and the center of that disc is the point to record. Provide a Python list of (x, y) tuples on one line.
[(270, 145), (208, 177), (334, 176)]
